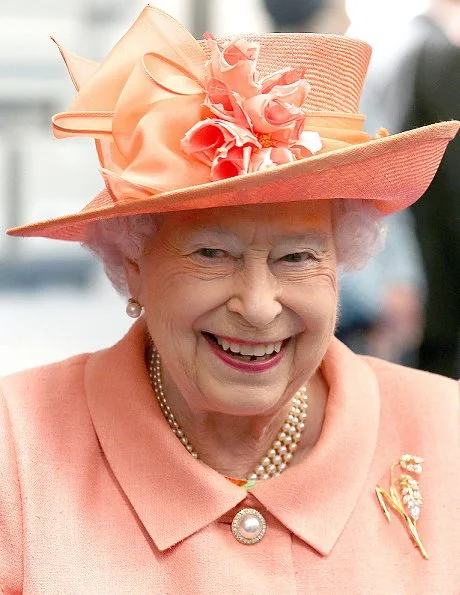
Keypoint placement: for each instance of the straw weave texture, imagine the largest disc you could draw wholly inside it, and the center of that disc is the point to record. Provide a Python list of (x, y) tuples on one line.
[(335, 66)]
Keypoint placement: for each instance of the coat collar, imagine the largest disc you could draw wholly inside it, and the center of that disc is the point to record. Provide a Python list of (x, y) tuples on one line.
[(164, 483)]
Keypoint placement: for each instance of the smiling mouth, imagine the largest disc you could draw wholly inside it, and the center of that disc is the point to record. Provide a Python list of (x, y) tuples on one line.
[(257, 353)]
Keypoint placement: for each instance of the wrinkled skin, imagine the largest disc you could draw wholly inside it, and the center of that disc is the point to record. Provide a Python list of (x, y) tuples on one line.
[(256, 273)]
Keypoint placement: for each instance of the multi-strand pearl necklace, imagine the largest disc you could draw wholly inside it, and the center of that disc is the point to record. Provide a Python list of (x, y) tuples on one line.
[(277, 457)]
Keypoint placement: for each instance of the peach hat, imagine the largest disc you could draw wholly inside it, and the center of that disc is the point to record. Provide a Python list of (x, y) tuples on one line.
[(184, 124)]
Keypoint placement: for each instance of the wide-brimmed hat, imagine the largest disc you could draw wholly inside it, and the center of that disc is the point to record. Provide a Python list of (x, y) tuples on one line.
[(184, 124)]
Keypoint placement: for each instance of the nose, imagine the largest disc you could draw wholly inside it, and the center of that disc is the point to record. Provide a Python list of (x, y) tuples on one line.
[(255, 295)]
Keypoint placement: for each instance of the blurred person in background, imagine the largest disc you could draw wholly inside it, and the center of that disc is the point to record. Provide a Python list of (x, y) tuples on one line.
[(417, 83), (229, 443), (437, 97), (381, 305), (314, 16)]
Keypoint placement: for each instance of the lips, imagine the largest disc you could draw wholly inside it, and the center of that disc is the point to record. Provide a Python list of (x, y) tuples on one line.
[(252, 355)]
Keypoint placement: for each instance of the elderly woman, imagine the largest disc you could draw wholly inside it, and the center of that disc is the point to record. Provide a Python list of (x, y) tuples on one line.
[(228, 443)]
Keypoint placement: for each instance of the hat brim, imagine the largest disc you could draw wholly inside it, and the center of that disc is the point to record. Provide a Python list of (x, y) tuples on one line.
[(391, 172)]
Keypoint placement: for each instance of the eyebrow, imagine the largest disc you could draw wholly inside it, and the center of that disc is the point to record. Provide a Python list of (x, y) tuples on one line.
[(307, 236), (199, 234), (214, 229)]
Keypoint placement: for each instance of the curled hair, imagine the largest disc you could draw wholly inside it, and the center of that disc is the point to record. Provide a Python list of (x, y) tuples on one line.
[(113, 240), (359, 232), (358, 235)]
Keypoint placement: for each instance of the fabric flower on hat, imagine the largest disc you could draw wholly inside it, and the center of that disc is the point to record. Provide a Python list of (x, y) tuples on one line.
[(235, 65), (224, 146), (256, 123), (279, 121)]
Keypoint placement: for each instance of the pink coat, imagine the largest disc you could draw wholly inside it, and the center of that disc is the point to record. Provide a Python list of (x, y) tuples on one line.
[(98, 496)]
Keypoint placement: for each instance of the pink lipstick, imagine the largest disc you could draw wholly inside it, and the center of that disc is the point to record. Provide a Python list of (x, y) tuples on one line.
[(246, 366)]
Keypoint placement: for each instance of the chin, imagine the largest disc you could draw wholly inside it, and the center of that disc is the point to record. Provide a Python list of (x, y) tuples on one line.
[(245, 401)]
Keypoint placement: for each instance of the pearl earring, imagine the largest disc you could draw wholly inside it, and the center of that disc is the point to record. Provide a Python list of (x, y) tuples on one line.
[(133, 308)]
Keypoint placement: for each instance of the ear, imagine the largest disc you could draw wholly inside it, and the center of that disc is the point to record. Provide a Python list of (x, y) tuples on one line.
[(133, 278)]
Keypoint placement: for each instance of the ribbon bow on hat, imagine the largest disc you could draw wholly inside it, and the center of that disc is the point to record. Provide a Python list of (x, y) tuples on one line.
[(139, 109)]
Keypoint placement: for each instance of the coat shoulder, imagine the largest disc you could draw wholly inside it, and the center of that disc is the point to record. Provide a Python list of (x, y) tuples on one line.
[(44, 386), (408, 390), (395, 373)]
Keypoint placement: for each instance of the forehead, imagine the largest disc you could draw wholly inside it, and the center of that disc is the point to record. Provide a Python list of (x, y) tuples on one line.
[(283, 218)]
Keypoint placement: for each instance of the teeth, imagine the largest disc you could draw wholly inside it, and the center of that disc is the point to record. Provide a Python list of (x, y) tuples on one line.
[(246, 350), (249, 350), (259, 350)]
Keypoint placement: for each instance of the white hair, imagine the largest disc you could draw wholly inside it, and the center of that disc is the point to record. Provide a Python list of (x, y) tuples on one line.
[(359, 233)]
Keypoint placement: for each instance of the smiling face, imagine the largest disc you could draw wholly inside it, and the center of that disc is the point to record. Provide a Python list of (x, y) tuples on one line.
[(241, 302)]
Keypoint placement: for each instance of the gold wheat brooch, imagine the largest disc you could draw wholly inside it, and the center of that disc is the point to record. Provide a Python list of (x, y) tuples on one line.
[(404, 496)]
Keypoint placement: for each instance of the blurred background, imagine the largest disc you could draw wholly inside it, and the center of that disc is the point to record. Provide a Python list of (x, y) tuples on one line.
[(54, 298)]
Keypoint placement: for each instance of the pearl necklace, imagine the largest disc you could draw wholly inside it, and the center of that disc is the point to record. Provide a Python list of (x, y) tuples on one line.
[(277, 457)]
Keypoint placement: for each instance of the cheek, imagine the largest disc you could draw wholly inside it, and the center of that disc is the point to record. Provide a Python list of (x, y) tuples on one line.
[(176, 298), (315, 302), (318, 312)]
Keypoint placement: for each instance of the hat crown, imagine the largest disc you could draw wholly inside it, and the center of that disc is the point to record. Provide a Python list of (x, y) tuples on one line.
[(335, 65)]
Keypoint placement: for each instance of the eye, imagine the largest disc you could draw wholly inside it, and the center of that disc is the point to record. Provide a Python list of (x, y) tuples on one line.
[(211, 253), (297, 257)]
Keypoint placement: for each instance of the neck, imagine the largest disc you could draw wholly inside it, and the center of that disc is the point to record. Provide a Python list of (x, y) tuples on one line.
[(235, 445)]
